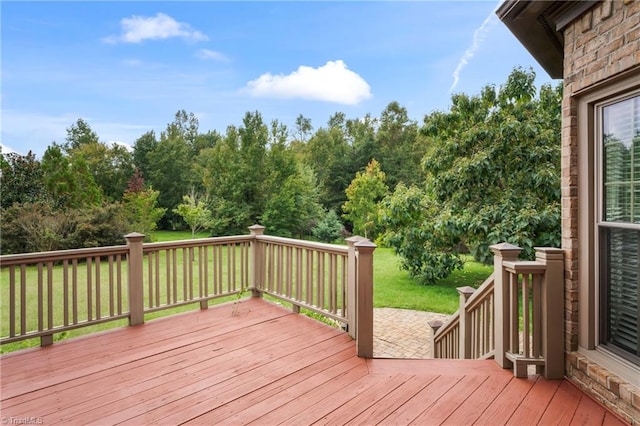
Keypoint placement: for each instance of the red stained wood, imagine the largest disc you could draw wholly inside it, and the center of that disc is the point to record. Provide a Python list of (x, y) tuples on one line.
[(588, 412), (533, 406), (563, 406), (612, 420), (267, 365), (392, 401), (505, 404), (445, 406), (483, 396)]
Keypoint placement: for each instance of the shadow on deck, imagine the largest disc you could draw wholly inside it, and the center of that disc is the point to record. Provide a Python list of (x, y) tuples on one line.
[(263, 364)]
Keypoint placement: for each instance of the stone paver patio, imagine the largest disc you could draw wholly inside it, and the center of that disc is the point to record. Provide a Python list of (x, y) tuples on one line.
[(402, 333)]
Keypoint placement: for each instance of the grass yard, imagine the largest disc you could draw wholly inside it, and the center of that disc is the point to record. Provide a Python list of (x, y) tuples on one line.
[(162, 236), (394, 288)]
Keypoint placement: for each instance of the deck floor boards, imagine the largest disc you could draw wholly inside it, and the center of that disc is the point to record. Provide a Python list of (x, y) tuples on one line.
[(258, 363)]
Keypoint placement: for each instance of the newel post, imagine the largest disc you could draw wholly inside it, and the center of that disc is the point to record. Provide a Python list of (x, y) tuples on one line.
[(352, 282), (435, 326), (465, 322), (552, 311), (502, 252), (364, 297), (257, 254), (134, 261)]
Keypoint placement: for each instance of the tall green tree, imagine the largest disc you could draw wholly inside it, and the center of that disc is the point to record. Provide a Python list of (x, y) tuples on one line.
[(70, 184), (222, 180), (293, 206), (111, 166), (254, 135), (78, 134), (492, 173), (328, 154), (399, 148), (141, 149), (171, 164), (303, 128), (363, 195), (21, 179)]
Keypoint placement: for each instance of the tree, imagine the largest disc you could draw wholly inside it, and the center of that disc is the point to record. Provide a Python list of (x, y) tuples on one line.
[(222, 179), (400, 149), (141, 149), (328, 154), (303, 128), (363, 195), (194, 212), (21, 178), (254, 135), (427, 248), (492, 175), (170, 167), (69, 183), (110, 166), (329, 228), (293, 205), (79, 134), (140, 206)]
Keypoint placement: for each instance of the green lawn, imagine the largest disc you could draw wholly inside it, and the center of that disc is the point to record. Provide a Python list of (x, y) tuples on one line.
[(394, 288), (162, 236)]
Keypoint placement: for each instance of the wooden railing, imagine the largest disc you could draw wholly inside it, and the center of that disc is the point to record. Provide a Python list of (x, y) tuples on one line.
[(62, 290), (514, 316), (468, 333), (52, 292)]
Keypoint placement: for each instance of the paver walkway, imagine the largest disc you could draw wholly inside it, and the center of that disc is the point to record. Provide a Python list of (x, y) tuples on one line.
[(402, 333)]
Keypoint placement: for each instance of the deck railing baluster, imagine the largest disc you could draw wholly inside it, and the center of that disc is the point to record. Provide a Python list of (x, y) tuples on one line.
[(85, 286)]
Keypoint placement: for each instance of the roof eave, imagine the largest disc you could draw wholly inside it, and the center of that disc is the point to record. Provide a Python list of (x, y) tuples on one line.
[(538, 26)]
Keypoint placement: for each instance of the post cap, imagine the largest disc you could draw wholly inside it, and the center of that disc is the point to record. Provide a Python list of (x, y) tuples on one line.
[(134, 236)]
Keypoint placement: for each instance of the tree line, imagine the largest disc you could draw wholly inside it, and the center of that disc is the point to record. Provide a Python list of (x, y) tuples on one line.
[(485, 171)]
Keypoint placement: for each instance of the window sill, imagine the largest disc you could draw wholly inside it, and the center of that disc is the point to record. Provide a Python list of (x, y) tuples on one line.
[(619, 366)]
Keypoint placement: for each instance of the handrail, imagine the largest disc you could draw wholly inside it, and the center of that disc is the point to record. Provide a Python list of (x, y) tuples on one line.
[(328, 248), (59, 255), (468, 333), (484, 291)]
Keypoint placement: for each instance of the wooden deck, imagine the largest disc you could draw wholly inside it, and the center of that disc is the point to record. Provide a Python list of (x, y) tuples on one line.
[(266, 365)]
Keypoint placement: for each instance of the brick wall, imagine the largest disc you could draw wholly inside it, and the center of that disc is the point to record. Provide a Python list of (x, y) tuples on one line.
[(603, 42)]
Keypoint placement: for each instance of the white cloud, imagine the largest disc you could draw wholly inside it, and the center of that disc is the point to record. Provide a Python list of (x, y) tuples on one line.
[(332, 82), (211, 54), (479, 36), (139, 28)]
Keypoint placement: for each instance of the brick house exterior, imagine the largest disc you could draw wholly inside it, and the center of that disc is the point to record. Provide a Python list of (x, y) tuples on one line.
[(594, 46)]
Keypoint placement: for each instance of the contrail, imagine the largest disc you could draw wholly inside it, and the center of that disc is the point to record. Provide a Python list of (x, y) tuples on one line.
[(478, 37)]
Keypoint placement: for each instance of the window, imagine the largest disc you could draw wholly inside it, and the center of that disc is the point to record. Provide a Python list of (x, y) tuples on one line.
[(618, 225)]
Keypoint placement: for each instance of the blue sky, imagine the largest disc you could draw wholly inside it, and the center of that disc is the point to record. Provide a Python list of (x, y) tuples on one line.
[(127, 67)]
